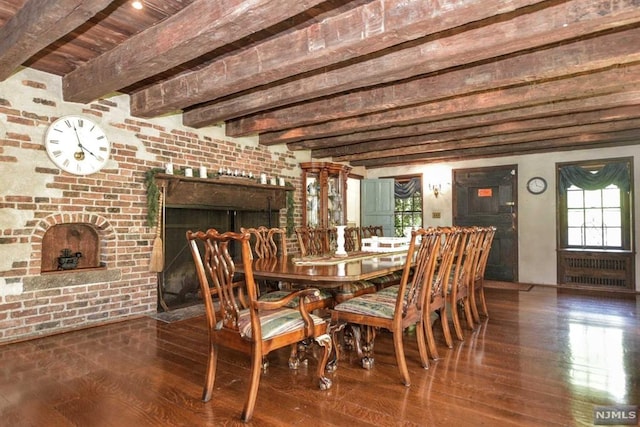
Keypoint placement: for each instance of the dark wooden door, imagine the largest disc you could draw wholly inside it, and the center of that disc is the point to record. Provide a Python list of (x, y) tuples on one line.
[(488, 196)]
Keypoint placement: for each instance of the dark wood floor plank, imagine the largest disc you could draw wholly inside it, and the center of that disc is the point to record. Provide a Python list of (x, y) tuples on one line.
[(542, 358)]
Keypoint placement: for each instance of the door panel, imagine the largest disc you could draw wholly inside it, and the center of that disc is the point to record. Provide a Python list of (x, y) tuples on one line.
[(485, 197), (377, 203)]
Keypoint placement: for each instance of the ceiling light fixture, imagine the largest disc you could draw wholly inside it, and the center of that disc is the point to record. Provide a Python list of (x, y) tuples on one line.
[(137, 4)]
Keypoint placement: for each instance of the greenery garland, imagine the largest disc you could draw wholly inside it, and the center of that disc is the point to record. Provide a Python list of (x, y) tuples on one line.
[(290, 208), (152, 195)]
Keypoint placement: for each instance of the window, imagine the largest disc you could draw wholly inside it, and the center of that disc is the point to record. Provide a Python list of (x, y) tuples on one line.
[(408, 204), (595, 205)]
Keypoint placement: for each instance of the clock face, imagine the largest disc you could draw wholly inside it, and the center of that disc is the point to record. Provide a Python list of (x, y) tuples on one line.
[(77, 145), (537, 185)]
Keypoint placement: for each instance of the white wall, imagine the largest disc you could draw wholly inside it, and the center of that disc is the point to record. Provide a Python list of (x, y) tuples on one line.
[(536, 214)]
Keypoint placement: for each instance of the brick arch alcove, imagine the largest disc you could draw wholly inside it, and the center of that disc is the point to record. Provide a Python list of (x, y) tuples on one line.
[(94, 226)]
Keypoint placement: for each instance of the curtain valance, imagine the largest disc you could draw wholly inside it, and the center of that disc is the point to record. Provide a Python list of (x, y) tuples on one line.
[(404, 190), (612, 173)]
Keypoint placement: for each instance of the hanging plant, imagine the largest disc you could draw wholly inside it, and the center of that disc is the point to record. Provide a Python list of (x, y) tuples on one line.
[(152, 195), (290, 209)]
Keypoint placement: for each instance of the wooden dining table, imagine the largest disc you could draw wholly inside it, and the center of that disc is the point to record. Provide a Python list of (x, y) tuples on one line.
[(327, 271)]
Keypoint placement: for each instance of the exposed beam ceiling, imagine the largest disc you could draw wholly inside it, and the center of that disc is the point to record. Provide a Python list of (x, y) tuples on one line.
[(369, 82)]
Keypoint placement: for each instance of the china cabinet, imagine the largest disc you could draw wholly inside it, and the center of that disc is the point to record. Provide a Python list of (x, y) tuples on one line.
[(325, 196)]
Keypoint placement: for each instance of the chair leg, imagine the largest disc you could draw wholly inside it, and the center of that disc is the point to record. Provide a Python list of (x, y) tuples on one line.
[(210, 376), (422, 345), (254, 382), (326, 343), (483, 302), (400, 359), (431, 341), (456, 320), (445, 327), (466, 304), (474, 305)]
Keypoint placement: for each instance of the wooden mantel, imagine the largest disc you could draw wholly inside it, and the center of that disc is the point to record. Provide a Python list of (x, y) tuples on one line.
[(233, 193)]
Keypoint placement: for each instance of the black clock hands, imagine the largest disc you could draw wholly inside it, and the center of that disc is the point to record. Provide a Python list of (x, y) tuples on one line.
[(82, 147)]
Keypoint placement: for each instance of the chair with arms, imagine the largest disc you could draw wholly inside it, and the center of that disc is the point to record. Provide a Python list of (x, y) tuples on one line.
[(478, 276), (257, 330), (271, 243), (395, 308)]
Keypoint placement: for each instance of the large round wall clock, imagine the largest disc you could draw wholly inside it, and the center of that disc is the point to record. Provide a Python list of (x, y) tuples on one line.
[(77, 145)]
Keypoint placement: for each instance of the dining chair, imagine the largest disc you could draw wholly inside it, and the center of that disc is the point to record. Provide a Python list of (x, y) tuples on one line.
[(436, 299), (459, 284), (262, 327), (312, 240), (395, 311), (271, 243), (369, 231), (352, 239), (477, 283)]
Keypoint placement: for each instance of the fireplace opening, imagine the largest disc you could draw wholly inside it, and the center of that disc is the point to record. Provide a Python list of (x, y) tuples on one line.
[(179, 285)]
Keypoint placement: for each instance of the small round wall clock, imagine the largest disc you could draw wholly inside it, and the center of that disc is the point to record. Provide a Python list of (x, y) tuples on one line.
[(537, 185), (77, 145)]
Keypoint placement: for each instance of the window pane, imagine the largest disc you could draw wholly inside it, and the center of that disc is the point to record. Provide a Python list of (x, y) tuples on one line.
[(574, 199), (575, 218), (593, 236), (593, 217), (613, 237), (612, 217), (574, 236), (611, 197), (592, 199)]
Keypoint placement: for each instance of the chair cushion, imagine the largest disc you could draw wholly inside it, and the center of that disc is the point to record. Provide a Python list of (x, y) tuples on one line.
[(276, 322), (352, 290), (390, 290), (377, 304), (323, 295), (394, 277)]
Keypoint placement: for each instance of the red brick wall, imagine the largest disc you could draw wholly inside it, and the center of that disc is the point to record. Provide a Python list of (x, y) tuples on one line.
[(34, 195)]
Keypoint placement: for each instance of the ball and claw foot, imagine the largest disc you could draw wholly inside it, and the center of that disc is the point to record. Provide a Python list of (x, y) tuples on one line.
[(325, 383), (367, 362)]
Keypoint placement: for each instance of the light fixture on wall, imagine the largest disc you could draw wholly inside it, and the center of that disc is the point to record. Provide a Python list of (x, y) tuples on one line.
[(436, 189)]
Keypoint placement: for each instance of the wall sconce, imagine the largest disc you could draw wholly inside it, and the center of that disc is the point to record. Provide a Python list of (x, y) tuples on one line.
[(436, 189)]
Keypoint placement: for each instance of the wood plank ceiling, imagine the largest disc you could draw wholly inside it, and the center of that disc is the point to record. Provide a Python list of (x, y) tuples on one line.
[(369, 82)]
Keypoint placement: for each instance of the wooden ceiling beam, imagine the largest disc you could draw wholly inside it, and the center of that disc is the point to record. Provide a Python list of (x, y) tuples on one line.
[(473, 128), (577, 142), (374, 26), (38, 24), (203, 26), (604, 82), (428, 146), (499, 36), (552, 63)]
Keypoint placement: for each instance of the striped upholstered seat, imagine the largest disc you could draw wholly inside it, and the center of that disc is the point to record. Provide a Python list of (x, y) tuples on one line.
[(277, 322)]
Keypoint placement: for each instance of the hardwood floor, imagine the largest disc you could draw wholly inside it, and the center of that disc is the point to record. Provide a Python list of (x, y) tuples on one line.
[(543, 358)]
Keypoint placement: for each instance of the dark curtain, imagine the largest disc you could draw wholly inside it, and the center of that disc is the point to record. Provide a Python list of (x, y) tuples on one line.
[(612, 173), (404, 190)]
